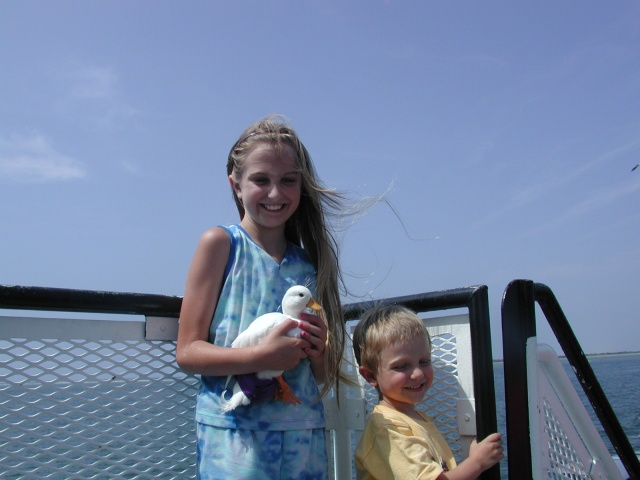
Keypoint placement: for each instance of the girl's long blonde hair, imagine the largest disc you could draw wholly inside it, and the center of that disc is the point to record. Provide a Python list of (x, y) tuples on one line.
[(308, 227)]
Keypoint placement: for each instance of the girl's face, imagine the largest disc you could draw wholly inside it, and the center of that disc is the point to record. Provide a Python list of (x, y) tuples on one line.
[(269, 187), (404, 375)]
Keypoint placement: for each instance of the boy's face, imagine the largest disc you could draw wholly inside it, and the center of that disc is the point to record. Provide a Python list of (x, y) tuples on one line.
[(404, 375)]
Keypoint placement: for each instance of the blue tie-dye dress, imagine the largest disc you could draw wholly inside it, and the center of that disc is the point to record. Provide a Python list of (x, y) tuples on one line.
[(265, 439)]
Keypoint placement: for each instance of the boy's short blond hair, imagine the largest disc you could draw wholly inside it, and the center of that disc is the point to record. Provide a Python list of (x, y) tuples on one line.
[(381, 327)]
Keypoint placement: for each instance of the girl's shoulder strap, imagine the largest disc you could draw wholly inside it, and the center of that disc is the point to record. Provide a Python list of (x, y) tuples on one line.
[(233, 232)]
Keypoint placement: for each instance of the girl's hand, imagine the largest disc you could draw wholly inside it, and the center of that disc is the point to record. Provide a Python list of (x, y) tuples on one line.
[(281, 352), (314, 330)]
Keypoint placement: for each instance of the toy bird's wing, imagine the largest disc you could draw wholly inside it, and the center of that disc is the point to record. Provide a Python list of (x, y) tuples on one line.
[(258, 330)]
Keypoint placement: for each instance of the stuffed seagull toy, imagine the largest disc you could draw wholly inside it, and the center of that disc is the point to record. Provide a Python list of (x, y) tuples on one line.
[(268, 383)]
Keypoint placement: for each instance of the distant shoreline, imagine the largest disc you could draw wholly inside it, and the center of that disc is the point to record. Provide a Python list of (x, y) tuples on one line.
[(610, 354)]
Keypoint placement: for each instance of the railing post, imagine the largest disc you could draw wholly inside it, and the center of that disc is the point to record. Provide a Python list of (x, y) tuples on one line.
[(518, 324), (482, 360)]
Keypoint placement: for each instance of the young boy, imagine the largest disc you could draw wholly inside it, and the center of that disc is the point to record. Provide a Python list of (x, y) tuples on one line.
[(393, 350)]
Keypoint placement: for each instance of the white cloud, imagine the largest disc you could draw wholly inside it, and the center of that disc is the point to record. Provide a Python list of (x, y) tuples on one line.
[(33, 159), (542, 186), (130, 167), (601, 199), (93, 94), (92, 82)]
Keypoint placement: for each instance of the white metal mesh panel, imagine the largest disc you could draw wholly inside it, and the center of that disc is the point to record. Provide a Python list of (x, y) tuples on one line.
[(563, 459), (565, 444), (83, 399), (78, 408), (441, 400)]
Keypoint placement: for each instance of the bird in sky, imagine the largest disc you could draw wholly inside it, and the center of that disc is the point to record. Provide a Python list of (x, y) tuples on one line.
[(268, 383), (637, 165)]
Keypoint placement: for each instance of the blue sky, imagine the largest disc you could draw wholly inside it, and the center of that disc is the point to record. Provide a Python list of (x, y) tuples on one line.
[(505, 133)]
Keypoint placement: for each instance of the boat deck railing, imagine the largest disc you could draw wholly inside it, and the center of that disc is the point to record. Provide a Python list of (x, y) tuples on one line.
[(102, 397), (549, 433)]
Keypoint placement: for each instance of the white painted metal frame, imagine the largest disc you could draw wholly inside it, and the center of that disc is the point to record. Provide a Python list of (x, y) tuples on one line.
[(83, 399), (564, 441), (86, 398)]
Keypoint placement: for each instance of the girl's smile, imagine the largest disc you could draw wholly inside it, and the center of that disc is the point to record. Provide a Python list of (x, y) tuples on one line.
[(273, 208)]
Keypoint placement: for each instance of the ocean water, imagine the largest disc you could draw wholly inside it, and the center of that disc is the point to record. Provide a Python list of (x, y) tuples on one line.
[(619, 377)]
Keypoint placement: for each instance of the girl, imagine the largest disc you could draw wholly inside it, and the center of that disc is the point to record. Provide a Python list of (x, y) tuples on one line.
[(242, 271)]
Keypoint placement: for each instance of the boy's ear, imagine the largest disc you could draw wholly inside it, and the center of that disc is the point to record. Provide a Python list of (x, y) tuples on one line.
[(369, 376)]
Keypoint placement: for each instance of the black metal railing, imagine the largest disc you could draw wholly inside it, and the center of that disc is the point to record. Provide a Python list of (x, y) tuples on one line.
[(518, 325), (475, 299), (92, 301)]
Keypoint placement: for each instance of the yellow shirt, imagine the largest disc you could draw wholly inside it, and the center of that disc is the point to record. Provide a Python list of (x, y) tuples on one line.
[(395, 446)]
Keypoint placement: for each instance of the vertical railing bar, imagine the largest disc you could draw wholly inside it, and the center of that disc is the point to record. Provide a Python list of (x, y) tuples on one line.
[(482, 361), (518, 325)]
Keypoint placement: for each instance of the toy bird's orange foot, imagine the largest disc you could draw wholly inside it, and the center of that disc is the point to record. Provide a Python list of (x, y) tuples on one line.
[(284, 393)]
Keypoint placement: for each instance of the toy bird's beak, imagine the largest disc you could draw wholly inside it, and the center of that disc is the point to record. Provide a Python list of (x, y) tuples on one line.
[(314, 305)]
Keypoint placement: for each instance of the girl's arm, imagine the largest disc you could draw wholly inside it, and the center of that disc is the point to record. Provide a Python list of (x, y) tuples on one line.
[(194, 353)]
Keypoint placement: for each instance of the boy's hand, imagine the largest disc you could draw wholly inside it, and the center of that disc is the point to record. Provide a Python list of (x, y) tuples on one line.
[(488, 452)]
